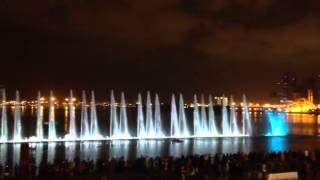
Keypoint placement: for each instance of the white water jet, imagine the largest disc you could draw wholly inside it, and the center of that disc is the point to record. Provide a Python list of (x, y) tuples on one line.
[(204, 124), (233, 117), (52, 135), (85, 132), (39, 128), (72, 135), (184, 130), (17, 133), (123, 118), (174, 128), (141, 132), (4, 118), (114, 125), (94, 127), (157, 118), (247, 129), (196, 117), (212, 121), (149, 117), (225, 120)]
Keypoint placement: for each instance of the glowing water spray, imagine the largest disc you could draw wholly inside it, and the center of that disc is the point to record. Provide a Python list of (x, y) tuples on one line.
[(4, 120)]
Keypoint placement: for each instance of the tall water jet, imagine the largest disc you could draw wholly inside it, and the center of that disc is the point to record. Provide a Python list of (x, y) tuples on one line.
[(184, 130), (278, 124), (204, 124), (233, 117), (174, 128), (212, 121), (140, 119), (72, 135), (114, 125), (247, 129), (149, 117), (4, 119), (17, 133), (157, 117), (225, 121), (196, 117), (39, 128), (94, 128), (123, 118), (84, 132), (52, 135)]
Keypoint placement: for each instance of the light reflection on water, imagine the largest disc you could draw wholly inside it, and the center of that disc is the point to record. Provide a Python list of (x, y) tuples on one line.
[(48, 152)]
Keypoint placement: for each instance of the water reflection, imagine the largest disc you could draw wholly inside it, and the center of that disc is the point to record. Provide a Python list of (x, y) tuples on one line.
[(70, 150), (51, 152), (276, 144), (151, 148), (119, 149), (3, 153)]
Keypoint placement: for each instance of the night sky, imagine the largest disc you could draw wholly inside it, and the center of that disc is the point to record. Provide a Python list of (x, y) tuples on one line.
[(188, 46)]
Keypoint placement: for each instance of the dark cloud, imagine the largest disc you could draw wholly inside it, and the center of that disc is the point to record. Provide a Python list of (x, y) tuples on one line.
[(170, 45)]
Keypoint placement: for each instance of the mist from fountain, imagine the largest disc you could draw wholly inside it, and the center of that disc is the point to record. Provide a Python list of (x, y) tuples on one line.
[(17, 133), (72, 135), (247, 129), (212, 121), (203, 122), (123, 118), (52, 135), (233, 117), (39, 128), (114, 125), (141, 132), (94, 127), (174, 127), (225, 121), (196, 118), (183, 126), (84, 132), (149, 117), (4, 118), (157, 118)]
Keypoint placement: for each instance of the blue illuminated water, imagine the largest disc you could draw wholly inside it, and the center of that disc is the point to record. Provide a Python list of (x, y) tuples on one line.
[(278, 124)]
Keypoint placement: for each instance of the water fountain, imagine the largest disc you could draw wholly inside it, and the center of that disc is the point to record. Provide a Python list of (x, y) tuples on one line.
[(114, 126), (246, 127), (52, 135), (212, 121), (182, 120), (94, 127), (203, 117), (197, 131), (149, 117), (123, 118), (39, 128), (141, 132), (84, 132), (174, 128), (4, 120), (233, 116), (72, 135), (17, 132), (225, 121), (277, 123), (157, 118), (204, 121)]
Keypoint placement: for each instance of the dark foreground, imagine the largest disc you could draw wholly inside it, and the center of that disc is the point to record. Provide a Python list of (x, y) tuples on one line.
[(218, 166)]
